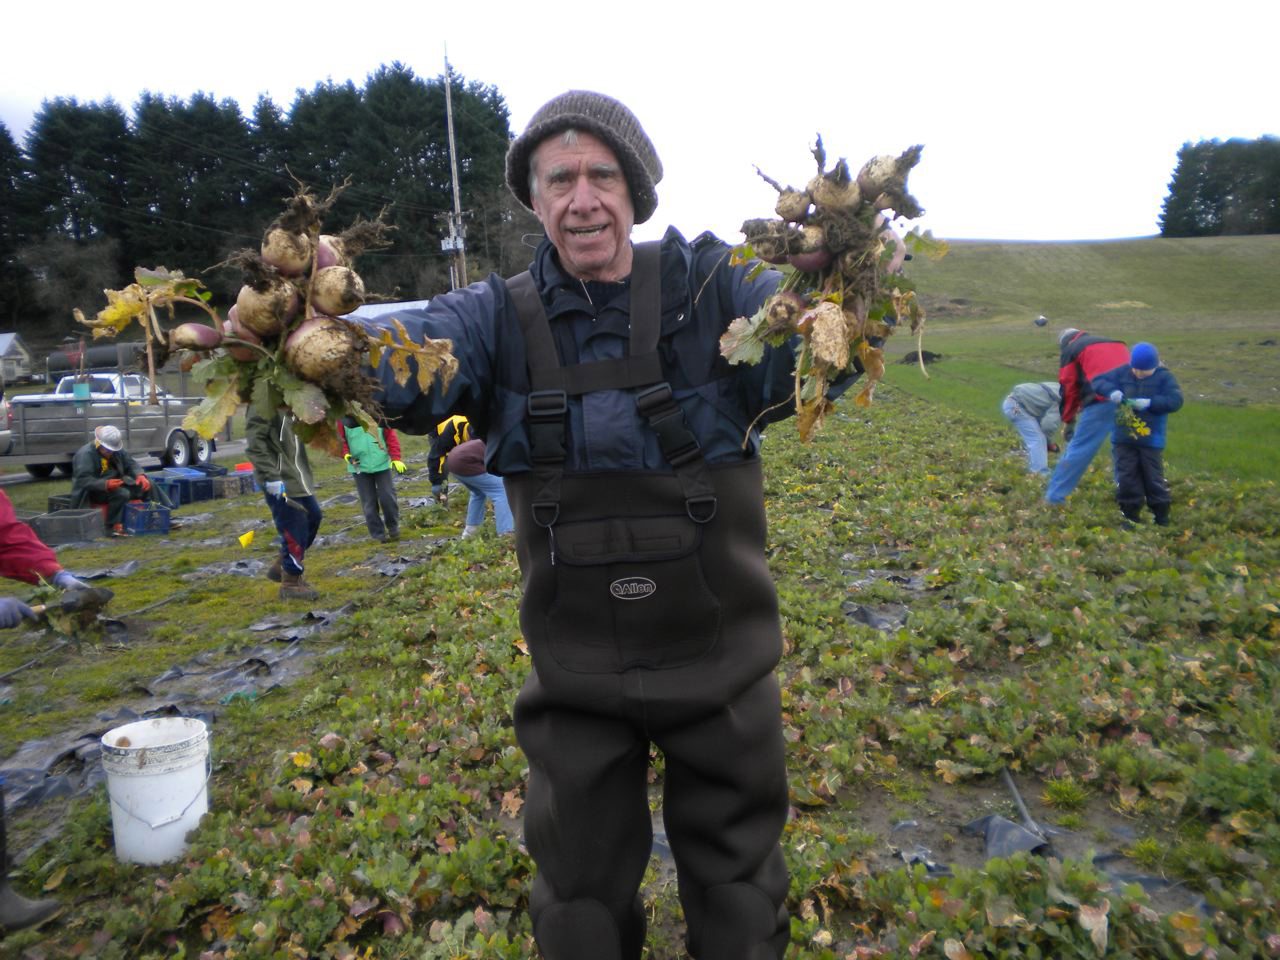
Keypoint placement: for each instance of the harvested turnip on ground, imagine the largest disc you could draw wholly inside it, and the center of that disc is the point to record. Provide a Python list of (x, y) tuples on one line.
[(843, 293)]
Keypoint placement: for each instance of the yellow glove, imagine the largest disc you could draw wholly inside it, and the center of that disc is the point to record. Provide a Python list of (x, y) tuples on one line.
[(350, 459), (398, 466)]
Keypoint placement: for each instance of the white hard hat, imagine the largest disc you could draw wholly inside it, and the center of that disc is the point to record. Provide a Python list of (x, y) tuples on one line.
[(108, 437)]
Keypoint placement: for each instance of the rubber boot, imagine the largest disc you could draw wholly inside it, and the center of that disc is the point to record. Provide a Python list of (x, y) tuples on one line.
[(16, 911), (1162, 515), (470, 531), (578, 930), (275, 571), (293, 587)]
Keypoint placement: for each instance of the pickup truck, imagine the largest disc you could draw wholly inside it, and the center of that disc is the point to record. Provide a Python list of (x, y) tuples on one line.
[(42, 431)]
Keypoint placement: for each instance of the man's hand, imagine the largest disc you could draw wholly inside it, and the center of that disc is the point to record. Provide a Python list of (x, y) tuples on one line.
[(1141, 403), (351, 461), (12, 610), (142, 481), (1116, 396), (275, 488), (398, 466), (115, 483), (66, 581)]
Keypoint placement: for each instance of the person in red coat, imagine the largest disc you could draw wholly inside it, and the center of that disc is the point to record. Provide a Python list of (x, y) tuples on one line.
[(23, 557), (1084, 357)]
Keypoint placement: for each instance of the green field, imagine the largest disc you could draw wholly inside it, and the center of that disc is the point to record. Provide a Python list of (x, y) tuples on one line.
[(1212, 307)]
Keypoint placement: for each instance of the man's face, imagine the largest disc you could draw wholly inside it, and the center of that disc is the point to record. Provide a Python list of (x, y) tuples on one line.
[(1142, 374), (580, 195)]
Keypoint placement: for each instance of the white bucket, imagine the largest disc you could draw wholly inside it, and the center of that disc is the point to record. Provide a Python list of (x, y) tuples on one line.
[(157, 779)]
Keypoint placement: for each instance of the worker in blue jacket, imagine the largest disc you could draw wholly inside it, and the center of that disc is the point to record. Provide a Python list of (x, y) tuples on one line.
[(1145, 393), (630, 453)]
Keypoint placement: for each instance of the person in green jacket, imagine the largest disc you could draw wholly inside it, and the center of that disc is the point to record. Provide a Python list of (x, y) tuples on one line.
[(102, 471), (280, 463), (370, 457)]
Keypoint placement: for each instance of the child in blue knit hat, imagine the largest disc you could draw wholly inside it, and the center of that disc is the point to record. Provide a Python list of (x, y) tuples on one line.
[(1145, 393)]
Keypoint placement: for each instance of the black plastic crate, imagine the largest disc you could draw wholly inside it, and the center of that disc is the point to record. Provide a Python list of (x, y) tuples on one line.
[(59, 501), (190, 488), (68, 526)]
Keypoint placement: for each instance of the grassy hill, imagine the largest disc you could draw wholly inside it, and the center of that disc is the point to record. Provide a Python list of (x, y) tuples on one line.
[(1211, 305)]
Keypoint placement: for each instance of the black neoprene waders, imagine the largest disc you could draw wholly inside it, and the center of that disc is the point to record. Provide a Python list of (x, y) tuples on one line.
[(651, 618)]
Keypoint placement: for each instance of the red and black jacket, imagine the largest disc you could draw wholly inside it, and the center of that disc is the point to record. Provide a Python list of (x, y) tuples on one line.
[(1084, 357)]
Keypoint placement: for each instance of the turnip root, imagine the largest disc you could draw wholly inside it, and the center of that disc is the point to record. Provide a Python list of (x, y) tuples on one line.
[(288, 251), (231, 327), (783, 311), (331, 252), (793, 205), (883, 181), (194, 336), (336, 291), (330, 353), (834, 190), (267, 307), (845, 293)]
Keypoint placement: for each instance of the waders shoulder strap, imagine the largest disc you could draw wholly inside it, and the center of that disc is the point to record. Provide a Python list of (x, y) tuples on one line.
[(551, 384)]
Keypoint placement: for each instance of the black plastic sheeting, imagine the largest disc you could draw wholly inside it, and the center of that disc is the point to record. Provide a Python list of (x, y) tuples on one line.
[(69, 764)]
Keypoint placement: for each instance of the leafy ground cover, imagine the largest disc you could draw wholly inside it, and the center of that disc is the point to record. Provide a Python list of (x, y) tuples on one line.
[(944, 632)]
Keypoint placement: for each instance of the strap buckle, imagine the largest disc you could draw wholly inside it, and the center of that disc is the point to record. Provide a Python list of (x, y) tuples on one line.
[(547, 404), (652, 399)]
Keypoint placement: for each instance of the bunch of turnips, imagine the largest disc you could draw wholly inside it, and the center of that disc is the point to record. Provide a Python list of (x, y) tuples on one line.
[(843, 292), (284, 342)]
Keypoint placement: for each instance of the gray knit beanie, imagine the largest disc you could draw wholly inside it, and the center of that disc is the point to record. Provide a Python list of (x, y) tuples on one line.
[(600, 116), (1065, 336)]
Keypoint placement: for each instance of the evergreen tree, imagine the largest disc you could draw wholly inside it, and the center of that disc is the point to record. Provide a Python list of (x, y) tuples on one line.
[(192, 165), (1224, 188), (15, 280)]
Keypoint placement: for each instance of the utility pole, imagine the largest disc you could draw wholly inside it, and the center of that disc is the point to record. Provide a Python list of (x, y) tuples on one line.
[(455, 242)]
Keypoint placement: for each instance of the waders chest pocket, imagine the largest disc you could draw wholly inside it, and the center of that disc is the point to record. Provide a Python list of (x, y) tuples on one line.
[(630, 593)]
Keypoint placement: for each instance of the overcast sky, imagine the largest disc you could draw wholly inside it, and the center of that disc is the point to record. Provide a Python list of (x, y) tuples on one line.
[(1041, 119)]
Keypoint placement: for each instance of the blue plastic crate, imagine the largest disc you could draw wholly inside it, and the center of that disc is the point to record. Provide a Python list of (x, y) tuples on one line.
[(193, 486), (145, 517)]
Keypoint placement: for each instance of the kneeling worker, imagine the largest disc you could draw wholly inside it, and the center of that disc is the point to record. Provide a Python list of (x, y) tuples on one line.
[(102, 471)]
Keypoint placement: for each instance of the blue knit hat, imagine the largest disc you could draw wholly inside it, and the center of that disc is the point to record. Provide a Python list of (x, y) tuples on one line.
[(1144, 357)]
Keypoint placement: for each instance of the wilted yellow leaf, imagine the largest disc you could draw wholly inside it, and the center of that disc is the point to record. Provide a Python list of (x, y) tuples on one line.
[(55, 879), (953, 772), (955, 950), (1094, 920), (511, 803), (1002, 913)]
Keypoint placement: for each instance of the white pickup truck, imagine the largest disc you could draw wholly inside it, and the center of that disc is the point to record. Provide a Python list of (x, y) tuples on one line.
[(42, 431)]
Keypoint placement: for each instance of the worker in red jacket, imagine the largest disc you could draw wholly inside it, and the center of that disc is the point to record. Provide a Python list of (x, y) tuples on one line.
[(23, 557), (1083, 357)]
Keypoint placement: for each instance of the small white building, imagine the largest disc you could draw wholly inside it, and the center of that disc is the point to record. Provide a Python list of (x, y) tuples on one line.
[(15, 359)]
